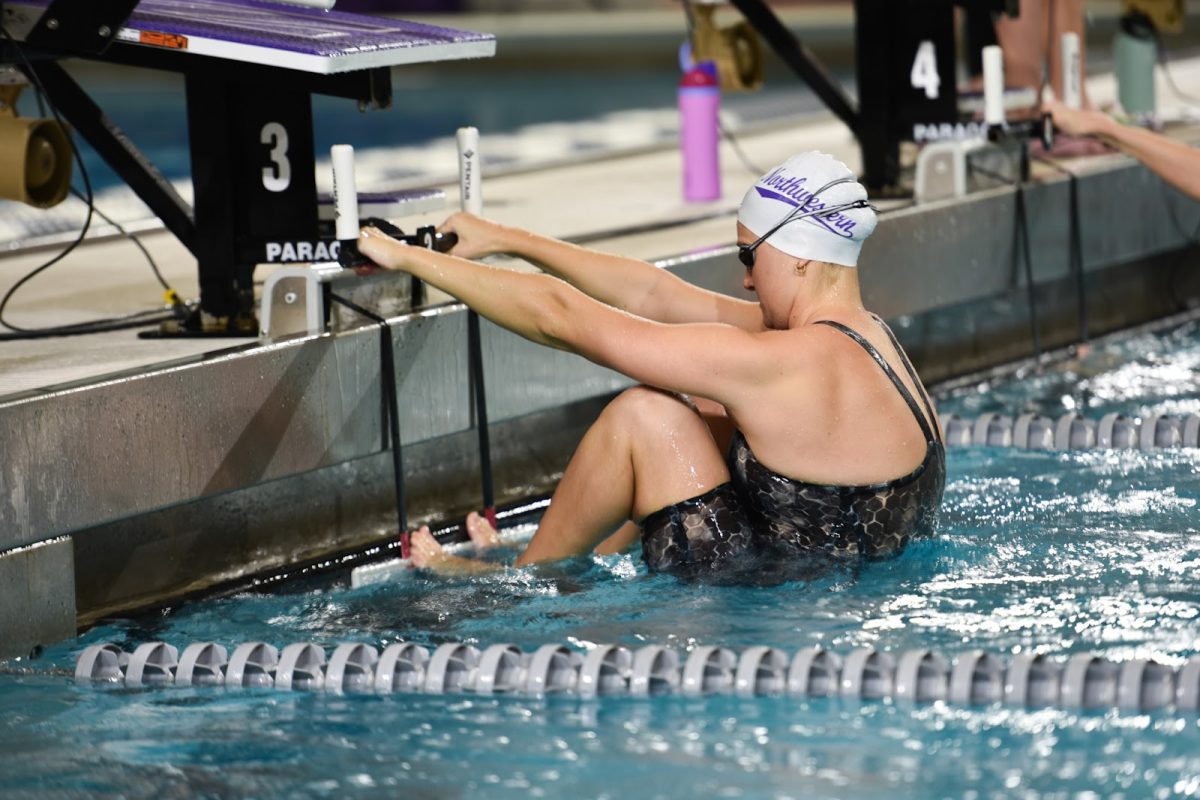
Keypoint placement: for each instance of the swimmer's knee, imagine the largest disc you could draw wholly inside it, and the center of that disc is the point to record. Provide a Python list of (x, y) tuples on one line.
[(646, 403)]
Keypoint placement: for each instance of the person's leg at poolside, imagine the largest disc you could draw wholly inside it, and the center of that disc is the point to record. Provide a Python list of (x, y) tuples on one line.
[(1023, 40), (1031, 44), (1068, 18), (720, 427), (647, 450)]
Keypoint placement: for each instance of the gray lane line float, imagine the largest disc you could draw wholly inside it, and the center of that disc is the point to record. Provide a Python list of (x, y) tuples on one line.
[(975, 678), (1073, 431)]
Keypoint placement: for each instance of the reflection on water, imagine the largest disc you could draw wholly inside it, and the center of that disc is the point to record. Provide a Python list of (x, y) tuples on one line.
[(1157, 373)]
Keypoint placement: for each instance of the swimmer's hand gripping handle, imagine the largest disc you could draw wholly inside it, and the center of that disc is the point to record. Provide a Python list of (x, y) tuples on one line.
[(426, 236), (1040, 128)]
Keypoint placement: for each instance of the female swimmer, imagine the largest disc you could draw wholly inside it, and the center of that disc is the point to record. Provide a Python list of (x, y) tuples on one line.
[(832, 443)]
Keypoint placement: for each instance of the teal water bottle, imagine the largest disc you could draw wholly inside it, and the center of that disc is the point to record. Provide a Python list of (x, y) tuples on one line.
[(1135, 50)]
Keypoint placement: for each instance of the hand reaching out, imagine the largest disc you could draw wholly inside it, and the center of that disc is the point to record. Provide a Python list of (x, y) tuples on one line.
[(477, 237), (1077, 122)]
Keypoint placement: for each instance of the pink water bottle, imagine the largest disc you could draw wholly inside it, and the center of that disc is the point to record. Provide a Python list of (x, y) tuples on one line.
[(699, 133)]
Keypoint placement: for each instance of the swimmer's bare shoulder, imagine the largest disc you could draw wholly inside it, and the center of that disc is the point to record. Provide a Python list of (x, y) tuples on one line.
[(800, 370)]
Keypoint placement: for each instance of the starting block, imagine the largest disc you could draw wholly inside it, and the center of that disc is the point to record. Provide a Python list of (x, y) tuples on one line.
[(250, 69)]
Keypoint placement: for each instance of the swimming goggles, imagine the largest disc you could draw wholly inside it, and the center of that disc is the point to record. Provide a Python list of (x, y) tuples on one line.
[(746, 251)]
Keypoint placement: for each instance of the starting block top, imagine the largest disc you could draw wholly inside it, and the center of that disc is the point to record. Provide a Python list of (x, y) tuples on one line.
[(293, 37)]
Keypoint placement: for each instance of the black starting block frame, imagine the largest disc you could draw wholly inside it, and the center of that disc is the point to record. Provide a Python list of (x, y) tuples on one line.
[(250, 131), (905, 62)]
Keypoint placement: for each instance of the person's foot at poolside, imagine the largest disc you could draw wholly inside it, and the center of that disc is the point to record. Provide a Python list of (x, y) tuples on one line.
[(482, 534), (424, 551)]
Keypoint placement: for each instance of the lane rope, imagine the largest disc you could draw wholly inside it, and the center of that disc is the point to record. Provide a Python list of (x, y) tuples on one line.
[(1072, 431), (974, 678)]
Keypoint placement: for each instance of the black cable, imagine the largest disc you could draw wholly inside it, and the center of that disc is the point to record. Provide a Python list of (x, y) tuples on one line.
[(132, 238), (140, 319), (87, 222), (136, 320), (1022, 236), (475, 365), (737, 148), (1074, 245), (1163, 61), (387, 364), (1021, 251)]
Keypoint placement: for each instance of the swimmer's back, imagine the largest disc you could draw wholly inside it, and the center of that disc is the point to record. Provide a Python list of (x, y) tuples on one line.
[(833, 416)]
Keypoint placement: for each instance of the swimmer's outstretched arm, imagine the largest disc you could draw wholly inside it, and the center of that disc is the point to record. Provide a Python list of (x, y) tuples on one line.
[(629, 284), (1175, 162), (719, 362)]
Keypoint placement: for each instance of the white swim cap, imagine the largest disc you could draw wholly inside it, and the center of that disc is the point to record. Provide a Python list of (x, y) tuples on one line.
[(801, 184)]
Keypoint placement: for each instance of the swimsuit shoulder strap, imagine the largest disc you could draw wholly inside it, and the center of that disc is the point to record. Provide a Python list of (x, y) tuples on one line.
[(930, 437), (912, 373)]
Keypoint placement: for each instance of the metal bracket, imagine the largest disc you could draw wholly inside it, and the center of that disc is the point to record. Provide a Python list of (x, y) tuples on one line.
[(85, 27)]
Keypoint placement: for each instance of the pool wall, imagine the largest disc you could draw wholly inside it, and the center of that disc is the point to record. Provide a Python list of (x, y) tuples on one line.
[(130, 491)]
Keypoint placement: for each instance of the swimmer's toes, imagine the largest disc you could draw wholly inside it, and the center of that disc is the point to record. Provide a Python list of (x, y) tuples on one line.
[(424, 548), (481, 531)]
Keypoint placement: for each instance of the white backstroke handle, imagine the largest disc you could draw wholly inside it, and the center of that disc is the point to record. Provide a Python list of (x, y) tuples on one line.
[(468, 170)]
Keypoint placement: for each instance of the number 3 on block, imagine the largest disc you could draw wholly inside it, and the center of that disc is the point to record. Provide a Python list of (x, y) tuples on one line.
[(278, 176), (924, 73)]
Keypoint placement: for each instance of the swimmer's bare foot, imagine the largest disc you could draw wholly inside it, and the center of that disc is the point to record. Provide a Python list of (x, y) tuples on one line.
[(424, 550), (426, 553), (481, 531)]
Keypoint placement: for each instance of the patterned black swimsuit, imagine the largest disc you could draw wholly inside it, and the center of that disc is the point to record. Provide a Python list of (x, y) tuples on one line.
[(760, 513)]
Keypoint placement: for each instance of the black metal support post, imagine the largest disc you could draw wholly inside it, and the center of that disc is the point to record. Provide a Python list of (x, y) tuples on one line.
[(211, 150), (905, 63)]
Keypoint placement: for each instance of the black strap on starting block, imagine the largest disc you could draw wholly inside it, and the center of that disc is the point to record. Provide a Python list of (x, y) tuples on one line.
[(387, 376)]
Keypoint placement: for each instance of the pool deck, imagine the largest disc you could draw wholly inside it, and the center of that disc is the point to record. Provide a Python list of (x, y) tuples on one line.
[(138, 471)]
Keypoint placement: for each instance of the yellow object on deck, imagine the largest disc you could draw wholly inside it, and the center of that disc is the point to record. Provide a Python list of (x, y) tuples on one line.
[(35, 155), (1167, 15)]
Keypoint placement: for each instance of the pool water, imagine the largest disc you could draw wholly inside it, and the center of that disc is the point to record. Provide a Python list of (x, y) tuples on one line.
[(1060, 553)]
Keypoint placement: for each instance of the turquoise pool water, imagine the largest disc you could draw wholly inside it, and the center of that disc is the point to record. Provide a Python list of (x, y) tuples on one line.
[(1054, 552)]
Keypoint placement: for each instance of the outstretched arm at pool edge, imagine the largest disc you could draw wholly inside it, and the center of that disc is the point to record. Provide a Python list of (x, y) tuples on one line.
[(1175, 162), (629, 284), (710, 360)]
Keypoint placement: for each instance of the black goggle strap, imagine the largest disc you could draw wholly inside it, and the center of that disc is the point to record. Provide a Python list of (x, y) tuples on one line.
[(800, 213), (818, 213)]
